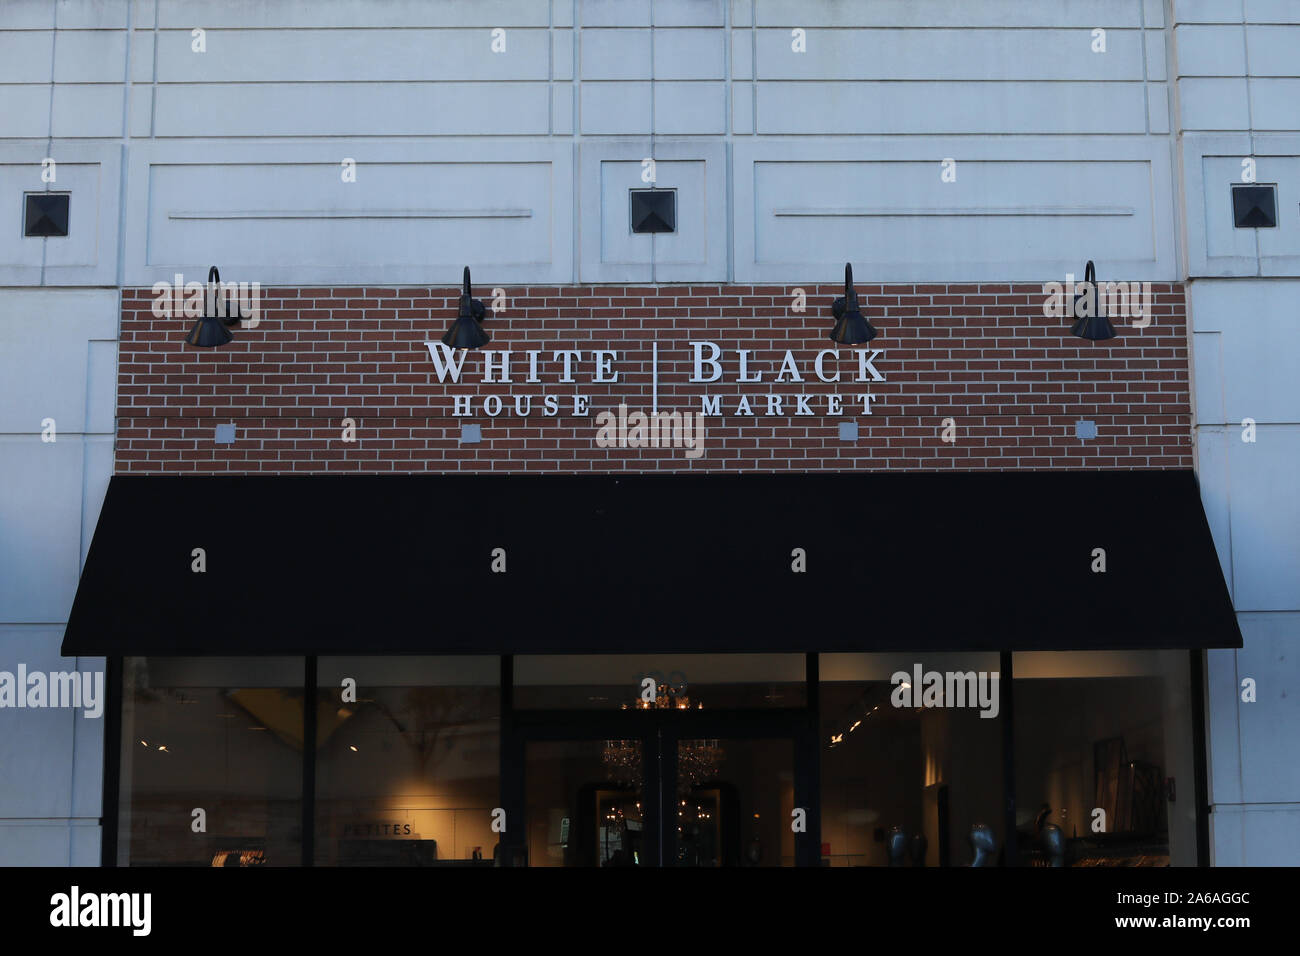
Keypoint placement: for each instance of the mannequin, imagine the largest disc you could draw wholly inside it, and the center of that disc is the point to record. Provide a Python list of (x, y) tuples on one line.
[(983, 843)]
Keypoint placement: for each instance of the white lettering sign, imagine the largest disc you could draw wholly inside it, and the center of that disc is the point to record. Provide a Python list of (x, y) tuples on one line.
[(709, 364)]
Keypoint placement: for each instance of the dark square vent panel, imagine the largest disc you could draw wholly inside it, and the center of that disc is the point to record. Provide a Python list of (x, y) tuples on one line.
[(654, 210), (1254, 207), (46, 214)]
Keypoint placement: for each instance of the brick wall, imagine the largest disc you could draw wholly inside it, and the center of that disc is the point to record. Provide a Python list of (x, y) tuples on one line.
[(1014, 382)]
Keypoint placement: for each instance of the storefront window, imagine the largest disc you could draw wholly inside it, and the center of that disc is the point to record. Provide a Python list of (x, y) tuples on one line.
[(616, 681), (911, 763), (407, 754), (1104, 758), (407, 760), (211, 768)]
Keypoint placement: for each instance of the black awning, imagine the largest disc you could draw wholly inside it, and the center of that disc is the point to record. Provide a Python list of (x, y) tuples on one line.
[(604, 564)]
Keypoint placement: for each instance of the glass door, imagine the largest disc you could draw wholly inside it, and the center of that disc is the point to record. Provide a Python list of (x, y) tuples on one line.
[(733, 802), (699, 760), (586, 803), (597, 802)]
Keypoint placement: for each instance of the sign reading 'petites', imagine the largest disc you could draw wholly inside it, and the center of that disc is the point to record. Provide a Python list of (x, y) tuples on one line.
[(709, 365)]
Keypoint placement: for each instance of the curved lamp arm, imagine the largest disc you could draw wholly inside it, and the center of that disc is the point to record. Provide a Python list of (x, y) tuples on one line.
[(850, 294)]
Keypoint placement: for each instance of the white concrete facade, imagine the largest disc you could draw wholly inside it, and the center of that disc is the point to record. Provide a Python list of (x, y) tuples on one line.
[(1238, 78), (786, 164)]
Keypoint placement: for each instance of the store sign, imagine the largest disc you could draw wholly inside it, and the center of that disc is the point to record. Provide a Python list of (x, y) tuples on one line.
[(368, 828), (711, 365)]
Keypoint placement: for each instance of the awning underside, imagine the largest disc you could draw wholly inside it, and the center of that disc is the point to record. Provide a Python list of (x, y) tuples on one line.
[(597, 564)]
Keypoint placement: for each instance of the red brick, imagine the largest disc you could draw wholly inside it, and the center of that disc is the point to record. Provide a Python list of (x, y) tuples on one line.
[(982, 354)]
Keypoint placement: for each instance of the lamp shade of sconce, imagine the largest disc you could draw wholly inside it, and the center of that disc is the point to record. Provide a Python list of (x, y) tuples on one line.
[(467, 331), (1090, 321), (213, 329), (851, 326)]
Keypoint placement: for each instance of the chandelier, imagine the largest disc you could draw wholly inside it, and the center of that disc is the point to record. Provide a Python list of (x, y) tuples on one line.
[(697, 760)]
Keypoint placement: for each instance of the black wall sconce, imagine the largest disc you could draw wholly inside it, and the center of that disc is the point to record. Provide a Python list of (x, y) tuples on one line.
[(467, 331), (851, 326), (213, 329), (1090, 321)]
